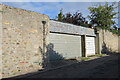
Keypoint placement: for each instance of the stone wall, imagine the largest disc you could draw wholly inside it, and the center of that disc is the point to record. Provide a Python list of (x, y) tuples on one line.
[(22, 41), (108, 41), (119, 44)]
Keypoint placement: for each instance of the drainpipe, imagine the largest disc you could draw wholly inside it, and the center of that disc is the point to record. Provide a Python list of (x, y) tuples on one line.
[(44, 45)]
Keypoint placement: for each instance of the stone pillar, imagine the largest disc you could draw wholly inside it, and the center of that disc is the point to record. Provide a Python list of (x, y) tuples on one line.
[(83, 41), (97, 43), (0, 42), (119, 44)]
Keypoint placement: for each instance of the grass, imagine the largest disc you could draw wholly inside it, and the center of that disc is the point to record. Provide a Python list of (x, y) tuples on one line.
[(90, 57), (87, 58), (14, 73), (99, 55)]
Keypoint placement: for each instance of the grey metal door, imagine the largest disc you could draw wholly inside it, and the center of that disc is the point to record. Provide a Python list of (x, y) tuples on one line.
[(64, 46)]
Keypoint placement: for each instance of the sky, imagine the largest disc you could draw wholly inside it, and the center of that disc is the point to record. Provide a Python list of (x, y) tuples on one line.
[(53, 8)]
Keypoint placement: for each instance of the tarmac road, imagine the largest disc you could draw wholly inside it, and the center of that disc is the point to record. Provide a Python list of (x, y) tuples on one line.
[(104, 67)]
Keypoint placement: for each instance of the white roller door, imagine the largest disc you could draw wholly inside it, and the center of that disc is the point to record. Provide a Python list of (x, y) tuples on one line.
[(64, 46), (90, 46)]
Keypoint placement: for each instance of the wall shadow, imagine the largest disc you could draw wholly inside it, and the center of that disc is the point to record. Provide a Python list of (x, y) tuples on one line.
[(105, 49), (50, 56), (55, 58), (53, 55)]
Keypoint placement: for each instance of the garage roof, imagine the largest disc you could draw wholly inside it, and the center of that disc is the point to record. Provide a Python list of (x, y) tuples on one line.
[(60, 27)]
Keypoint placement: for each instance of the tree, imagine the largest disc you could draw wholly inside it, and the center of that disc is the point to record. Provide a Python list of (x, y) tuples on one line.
[(115, 27), (103, 15), (76, 18), (60, 15)]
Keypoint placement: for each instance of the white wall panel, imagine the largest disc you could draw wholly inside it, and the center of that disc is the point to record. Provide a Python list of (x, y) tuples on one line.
[(90, 46)]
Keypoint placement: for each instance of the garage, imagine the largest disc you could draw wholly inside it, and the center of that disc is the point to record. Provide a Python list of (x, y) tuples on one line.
[(68, 41), (90, 46), (64, 46)]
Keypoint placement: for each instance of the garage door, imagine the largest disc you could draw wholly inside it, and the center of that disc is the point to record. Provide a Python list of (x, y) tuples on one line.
[(64, 46), (90, 46)]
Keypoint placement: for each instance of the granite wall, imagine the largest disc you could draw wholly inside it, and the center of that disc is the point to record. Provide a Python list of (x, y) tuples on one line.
[(0, 41), (108, 41), (22, 40)]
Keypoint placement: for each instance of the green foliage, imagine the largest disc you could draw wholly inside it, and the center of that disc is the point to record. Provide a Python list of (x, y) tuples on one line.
[(60, 15), (114, 31), (19, 70), (100, 15), (99, 55), (85, 25), (39, 63), (14, 73), (103, 15), (86, 58), (1, 11), (76, 18), (118, 33)]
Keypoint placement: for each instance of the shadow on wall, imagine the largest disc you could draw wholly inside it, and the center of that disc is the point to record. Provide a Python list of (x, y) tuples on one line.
[(50, 55), (53, 55), (106, 50)]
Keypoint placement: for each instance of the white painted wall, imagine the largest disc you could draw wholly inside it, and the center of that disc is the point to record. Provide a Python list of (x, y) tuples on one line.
[(90, 46)]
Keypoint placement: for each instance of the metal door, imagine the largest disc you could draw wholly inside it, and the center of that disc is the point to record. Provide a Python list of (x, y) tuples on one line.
[(64, 46)]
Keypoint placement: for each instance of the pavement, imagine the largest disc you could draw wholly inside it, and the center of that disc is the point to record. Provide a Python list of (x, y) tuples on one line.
[(102, 67)]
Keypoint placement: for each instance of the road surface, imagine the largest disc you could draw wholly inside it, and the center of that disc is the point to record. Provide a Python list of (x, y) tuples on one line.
[(105, 67)]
